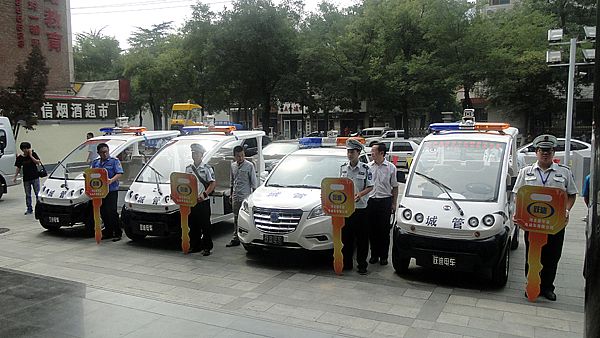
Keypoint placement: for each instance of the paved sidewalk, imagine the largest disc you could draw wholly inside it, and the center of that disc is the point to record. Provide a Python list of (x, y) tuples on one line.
[(151, 289)]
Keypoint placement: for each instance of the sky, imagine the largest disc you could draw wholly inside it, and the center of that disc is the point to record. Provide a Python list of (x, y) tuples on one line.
[(119, 18)]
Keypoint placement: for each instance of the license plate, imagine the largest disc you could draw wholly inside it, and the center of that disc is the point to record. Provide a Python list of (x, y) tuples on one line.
[(273, 239), (53, 219), (146, 227), (449, 262)]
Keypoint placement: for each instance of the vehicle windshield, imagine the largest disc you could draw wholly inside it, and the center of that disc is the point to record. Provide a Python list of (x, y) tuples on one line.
[(72, 166), (470, 169), (305, 170), (173, 157), (279, 148)]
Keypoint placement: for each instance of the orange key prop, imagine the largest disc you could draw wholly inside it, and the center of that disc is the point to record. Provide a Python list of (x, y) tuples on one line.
[(541, 211), (337, 200), (96, 187), (184, 192)]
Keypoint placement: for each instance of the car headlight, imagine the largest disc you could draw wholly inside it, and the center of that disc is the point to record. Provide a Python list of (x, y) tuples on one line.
[(316, 212), (419, 218), (488, 220), (473, 222), (407, 214), (245, 208)]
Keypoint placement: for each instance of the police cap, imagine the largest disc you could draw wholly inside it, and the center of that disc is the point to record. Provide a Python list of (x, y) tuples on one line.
[(354, 144), (545, 141), (197, 148)]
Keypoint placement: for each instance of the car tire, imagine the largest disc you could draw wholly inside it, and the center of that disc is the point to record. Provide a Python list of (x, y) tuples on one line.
[(132, 235), (500, 271), (514, 241), (252, 249)]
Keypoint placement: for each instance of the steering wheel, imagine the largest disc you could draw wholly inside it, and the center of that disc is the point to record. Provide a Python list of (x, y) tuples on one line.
[(479, 188)]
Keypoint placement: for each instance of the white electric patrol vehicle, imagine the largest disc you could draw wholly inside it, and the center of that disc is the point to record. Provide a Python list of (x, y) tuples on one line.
[(456, 210), (8, 155), (62, 200), (149, 209), (286, 212)]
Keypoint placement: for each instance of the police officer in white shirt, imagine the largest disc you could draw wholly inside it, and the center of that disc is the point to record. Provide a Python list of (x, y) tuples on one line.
[(200, 226), (382, 203), (356, 228), (546, 173)]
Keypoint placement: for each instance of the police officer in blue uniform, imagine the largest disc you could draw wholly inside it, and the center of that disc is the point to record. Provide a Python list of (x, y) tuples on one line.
[(546, 173), (355, 230), (108, 210)]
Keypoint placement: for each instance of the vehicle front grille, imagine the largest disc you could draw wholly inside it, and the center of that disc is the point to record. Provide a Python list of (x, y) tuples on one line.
[(276, 221)]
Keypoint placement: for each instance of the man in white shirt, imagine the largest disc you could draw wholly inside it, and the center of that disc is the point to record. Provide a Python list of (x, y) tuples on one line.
[(382, 203)]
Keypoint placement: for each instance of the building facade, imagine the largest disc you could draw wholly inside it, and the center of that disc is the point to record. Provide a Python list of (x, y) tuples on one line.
[(45, 23)]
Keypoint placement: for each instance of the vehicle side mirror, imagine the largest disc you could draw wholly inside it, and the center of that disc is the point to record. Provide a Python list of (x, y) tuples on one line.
[(400, 176)]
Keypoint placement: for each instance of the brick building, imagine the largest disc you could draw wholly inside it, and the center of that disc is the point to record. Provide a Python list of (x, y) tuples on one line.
[(47, 23)]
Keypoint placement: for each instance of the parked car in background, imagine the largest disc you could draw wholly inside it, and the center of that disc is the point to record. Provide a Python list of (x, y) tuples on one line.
[(526, 154), (401, 149), (275, 151), (367, 133), (390, 134)]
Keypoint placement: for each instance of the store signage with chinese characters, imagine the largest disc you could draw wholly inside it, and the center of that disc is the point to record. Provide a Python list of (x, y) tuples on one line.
[(78, 110), (40, 19)]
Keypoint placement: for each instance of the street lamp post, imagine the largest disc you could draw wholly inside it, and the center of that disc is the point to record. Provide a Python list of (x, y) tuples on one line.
[(554, 38)]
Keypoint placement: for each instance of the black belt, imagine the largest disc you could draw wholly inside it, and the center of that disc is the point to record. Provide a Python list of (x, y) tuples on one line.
[(380, 198)]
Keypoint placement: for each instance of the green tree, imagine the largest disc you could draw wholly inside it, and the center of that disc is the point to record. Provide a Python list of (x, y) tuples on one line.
[(253, 48), (96, 57), (23, 101)]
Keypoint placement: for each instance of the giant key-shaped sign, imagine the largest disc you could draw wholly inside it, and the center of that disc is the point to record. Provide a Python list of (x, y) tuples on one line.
[(184, 192), (96, 187), (337, 200), (541, 211)]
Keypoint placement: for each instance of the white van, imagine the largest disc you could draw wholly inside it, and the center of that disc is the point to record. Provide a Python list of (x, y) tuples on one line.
[(148, 208), (456, 210), (8, 155), (62, 199)]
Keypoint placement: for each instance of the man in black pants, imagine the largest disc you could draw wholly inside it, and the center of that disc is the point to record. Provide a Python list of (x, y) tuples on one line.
[(382, 203), (200, 226), (108, 210)]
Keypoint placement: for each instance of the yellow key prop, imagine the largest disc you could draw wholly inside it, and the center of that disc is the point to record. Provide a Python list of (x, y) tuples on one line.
[(540, 211), (337, 200), (184, 192), (96, 187)]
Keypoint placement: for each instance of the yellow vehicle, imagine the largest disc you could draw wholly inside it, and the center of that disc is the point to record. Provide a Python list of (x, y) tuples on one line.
[(185, 115)]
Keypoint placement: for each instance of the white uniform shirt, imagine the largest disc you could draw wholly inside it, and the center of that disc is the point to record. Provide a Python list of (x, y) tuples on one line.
[(384, 179), (556, 176), (362, 178), (204, 171)]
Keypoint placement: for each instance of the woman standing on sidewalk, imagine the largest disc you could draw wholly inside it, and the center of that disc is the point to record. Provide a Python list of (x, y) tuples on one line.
[(28, 161)]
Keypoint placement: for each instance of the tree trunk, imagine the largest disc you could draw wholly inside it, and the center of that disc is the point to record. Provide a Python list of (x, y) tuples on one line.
[(140, 111), (405, 119), (266, 114), (155, 113), (467, 103)]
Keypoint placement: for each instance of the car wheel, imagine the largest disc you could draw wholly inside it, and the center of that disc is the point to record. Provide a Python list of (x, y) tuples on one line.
[(500, 272), (252, 249), (400, 262), (514, 242)]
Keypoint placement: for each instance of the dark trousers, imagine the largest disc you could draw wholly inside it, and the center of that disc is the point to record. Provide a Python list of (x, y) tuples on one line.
[(355, 232), (200, 226), (379, 212), (551, 253), (110, 217)]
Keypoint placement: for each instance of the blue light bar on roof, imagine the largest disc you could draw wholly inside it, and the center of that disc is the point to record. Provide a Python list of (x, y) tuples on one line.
[(194, 130), (311, 142), (444, 126)]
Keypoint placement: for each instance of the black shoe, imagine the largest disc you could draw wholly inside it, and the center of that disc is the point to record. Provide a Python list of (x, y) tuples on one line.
[(383, 261), (233, 242), (195, 249), (362, 271), (105, 237), (549, 295), (205, 252), (116, 238), (373, 260)]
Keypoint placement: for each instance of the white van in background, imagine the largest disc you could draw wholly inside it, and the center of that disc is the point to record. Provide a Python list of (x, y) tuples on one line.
[(8, 154)]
